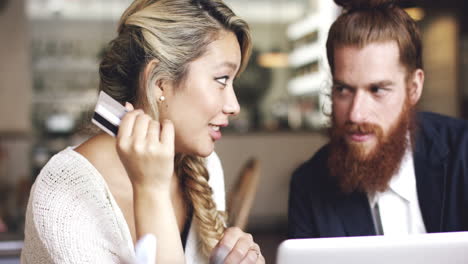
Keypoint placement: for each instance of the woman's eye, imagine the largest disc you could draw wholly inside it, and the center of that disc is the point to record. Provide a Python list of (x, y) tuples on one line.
[(222, 80)]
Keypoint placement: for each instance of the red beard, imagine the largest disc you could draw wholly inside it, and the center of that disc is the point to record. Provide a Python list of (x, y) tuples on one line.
[(356, 170)]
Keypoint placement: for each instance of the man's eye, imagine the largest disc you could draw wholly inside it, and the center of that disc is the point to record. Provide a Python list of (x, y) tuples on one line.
[(222, 80), (377, 89), (340, 88)]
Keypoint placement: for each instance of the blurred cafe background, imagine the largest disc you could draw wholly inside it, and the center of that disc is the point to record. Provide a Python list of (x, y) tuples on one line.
[(49, 55)]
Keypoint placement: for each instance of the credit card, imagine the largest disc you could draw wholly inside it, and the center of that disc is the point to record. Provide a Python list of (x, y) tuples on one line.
[(108, 113)]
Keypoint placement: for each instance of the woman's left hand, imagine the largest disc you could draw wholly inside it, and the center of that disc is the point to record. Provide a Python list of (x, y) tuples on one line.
[(236, 246)]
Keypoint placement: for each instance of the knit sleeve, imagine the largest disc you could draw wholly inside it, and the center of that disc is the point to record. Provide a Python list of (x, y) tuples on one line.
[(70, 218)]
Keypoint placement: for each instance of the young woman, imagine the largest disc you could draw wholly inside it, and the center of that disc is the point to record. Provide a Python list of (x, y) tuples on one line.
[(172, 64)]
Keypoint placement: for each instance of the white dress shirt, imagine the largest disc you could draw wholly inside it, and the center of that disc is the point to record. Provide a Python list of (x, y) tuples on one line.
[(399, 206)]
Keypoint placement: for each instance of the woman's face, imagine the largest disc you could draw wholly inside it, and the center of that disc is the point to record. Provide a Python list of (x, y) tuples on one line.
[(201, 106)]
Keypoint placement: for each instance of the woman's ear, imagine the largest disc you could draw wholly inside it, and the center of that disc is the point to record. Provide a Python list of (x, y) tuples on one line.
[(147, 75), (148, 78), (416, 84)]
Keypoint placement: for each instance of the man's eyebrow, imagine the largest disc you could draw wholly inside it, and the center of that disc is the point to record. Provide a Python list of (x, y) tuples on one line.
[(383, 83), (337, 82)]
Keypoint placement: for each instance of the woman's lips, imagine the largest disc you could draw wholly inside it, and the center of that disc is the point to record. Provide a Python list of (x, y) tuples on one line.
[(215, 132)]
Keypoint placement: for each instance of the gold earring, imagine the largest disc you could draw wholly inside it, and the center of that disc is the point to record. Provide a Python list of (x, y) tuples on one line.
[(162, 98)]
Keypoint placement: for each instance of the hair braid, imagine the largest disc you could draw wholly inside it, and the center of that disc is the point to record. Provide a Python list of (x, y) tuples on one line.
[(210, 221)]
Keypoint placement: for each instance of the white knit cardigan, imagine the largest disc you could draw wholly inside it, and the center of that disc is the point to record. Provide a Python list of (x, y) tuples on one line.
[(73, 218)]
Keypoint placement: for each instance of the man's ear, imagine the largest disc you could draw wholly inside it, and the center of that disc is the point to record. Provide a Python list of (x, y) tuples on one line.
[(416, 84)]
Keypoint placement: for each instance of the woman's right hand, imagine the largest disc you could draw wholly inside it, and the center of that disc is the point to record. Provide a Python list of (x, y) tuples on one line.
[(146, 150), (235, 247)]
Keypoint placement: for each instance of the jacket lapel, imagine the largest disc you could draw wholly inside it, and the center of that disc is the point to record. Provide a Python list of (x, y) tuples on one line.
[(430, 168), (354, 212), (429, 183)]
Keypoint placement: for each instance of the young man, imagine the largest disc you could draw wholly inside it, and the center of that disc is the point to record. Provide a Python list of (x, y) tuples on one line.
[(387, 169)]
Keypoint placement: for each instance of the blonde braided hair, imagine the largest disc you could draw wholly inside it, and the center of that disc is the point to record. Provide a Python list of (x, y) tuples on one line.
[(210, 222)]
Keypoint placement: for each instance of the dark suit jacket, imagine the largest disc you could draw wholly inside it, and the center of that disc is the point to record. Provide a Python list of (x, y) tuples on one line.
[(317, 209)]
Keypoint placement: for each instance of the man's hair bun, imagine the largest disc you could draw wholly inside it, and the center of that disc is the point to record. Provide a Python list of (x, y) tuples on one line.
[(364, 4)]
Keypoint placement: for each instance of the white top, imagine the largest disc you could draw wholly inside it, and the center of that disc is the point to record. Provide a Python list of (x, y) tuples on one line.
[(72, 216), (398, 205)]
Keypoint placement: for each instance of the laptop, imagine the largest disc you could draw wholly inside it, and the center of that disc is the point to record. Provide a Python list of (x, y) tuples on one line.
[(434, 248), (10, 251)]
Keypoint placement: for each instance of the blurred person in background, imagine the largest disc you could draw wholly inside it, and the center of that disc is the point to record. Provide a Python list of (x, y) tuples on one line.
[(4, 205), (3, 226), (172, 64), (387, 169), (3, 194)]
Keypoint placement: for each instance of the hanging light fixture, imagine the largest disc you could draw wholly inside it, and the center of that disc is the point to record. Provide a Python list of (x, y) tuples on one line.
[(416, 13), (274, 59)]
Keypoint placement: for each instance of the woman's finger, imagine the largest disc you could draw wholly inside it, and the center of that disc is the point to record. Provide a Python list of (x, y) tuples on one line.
[(219, 254), (240, 251), (140, 128), (254, 255), (226, 245), (126, 125), (260, 259), (152, 135), (251, 257), (129, 106), (230, 237)]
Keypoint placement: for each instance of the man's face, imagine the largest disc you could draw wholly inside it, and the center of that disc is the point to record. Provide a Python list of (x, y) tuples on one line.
[(368, 93), (373, 105)]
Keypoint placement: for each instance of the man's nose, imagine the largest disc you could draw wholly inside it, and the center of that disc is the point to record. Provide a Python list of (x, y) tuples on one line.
[(359, 108)]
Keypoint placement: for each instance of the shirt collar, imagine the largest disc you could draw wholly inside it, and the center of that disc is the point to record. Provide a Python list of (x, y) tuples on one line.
[(403, 182)]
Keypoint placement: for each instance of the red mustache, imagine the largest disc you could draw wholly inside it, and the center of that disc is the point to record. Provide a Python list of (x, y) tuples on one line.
[(362, 128)]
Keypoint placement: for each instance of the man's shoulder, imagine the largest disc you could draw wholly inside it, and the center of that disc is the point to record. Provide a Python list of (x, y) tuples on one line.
[(438, 136), (313, 170), (438, 121), (443, 128)]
